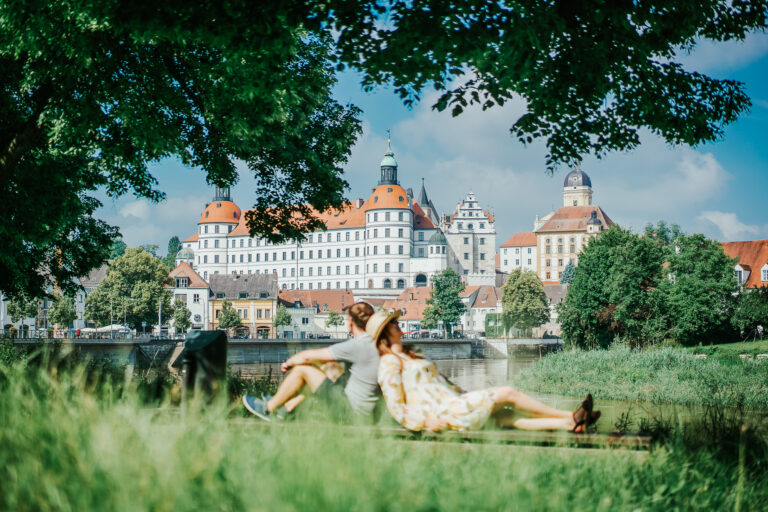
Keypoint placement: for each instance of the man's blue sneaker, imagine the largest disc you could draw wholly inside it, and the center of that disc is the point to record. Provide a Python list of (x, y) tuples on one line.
[(256, 406), (281, 413)]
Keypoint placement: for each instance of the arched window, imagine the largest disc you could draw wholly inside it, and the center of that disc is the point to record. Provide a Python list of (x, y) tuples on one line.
[(401, 283), (370, 283), (387, 283), (421, 280)]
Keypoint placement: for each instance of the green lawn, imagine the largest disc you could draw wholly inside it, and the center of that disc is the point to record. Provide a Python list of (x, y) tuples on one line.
[(664, 375), (67, 445), (751, 348)]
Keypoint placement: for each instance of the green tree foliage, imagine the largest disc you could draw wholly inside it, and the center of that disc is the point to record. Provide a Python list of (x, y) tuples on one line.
[(125, 85), (702, 289), (181, 316), (445, 305), (429, 318), (117, 249), (750, 316), (133, 288), (63, 311), (174, 246), (22, 307), (567, 275), (282, 317), (644, 290), (211, 84), (228, 317), (151, 249), (523, 300), (334, 319)]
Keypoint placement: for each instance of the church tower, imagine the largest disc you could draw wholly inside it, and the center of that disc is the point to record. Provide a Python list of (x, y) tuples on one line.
[(577, 189)]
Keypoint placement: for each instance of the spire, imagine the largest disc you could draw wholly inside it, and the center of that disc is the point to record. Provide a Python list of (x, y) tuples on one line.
[(388, 165), (423, 199)]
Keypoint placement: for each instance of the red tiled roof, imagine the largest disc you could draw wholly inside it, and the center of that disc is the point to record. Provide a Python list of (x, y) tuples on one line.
[(752, 255), (413, 300), (574, 218), (193, 238), (420, 219), (323, 300), (348, 217), (484, 296), (524, 239), (184, 270)]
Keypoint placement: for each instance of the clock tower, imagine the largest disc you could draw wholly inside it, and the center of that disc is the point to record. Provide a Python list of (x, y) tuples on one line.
[(577, 189)]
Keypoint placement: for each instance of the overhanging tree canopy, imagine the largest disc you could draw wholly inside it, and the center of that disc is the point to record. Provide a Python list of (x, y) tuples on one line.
[(91, 92)]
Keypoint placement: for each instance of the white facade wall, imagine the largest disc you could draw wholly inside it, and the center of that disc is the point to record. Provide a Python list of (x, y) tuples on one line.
[(523, 257), (471, 236)]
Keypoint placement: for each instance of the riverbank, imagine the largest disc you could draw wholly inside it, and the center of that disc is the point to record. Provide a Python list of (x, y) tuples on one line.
[(664, 376), (73, 441)]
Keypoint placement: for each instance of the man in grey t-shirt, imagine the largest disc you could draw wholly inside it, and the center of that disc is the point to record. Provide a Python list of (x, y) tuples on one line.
[(356, 392)]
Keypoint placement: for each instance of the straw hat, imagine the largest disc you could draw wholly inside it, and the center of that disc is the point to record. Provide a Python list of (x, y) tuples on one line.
[(378, 321)]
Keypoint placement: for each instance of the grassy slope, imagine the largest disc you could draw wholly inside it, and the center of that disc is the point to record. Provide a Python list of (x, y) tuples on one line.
[(65, 449), (664, 375), (751, 348)]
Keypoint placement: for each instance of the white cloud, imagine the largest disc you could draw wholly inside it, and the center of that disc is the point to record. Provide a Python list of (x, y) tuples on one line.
[(713, 56), (144, 222), (730, 226), (139, 209)]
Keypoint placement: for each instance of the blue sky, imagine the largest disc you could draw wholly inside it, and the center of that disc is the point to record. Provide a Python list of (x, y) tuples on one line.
[(719, 189)]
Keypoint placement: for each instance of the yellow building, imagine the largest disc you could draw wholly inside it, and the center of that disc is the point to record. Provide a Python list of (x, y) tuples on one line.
[(561, 235), (253, 296)]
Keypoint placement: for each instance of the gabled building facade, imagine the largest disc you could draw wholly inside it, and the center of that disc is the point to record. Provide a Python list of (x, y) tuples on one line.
[(254, 297)]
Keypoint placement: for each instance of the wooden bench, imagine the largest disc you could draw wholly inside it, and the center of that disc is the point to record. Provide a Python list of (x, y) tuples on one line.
[(497, 436)]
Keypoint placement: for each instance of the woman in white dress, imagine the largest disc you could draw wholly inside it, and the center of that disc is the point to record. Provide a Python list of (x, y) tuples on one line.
[(419, 398)]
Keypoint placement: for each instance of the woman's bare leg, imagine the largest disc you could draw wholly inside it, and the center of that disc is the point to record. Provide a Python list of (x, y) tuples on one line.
[(294, 402), (543, 424), (523, 402)]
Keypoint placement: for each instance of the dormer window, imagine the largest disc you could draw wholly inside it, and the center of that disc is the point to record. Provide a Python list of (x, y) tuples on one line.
[(219, 295), (182, 282), (218, 205), (764, 275), (206, 214), (243, 295), (263, 295)]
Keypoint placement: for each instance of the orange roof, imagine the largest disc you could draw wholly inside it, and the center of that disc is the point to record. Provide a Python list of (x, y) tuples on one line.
[(323, 300), (193, 238), (220, 211), (184, 270), (752, 255), (524, 239), (413, 300), (350, 216), (420, 219), (482, 296), (489, 215), (387, 196), (574, 218)]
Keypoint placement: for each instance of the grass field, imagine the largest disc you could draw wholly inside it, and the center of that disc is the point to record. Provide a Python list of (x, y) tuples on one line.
[(664, 375)]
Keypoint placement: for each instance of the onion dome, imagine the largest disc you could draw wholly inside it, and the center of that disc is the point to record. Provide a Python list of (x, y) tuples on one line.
[(593, 219), (577, 178)]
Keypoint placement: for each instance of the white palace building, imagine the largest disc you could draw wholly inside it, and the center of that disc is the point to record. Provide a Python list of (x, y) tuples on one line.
[(375, 247)]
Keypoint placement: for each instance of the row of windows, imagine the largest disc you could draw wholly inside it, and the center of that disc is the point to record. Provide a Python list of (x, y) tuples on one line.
[(548, 249), (517, 250), (549, 262), (243, 313), (466, 240), (517, 262), (386, 216), (482, 256), (374, 233), (387, 283), (471, 226)]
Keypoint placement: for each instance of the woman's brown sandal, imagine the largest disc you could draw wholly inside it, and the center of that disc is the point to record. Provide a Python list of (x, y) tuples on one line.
[(583, 416)]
